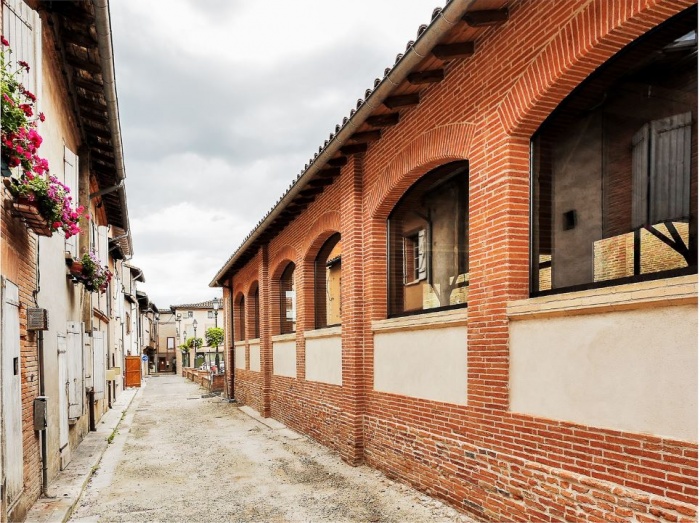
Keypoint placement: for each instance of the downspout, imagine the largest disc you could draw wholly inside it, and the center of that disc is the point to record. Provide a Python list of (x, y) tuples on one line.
[(44, 440), (450, 15), (232, 348)]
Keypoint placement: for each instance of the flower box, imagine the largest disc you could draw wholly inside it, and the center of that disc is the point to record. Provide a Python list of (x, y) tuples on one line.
[(29, 211)]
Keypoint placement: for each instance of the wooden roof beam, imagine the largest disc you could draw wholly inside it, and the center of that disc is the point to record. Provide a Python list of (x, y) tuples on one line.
[(336, 162), (486, 17), (366, 136), (405, 100), (426, 77), (354, 148), (383, 120), (452, 51)]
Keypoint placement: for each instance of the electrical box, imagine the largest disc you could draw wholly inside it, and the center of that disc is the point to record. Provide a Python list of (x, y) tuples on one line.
[(37, 319), (40, 412)]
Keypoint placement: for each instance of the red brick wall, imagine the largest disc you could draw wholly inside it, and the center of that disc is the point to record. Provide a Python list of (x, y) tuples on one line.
[(492, 463), (19, 266)]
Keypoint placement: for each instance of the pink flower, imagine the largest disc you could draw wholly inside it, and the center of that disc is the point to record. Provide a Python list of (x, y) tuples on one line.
[(42, 117), (27, 109), (24, 64), (4, 41)]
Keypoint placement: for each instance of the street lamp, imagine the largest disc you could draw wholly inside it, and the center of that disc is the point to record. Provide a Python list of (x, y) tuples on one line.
[(184, 335), (194, 325), (216, 304)]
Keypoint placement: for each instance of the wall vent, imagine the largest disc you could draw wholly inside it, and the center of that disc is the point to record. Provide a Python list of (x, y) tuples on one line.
[(37, 319)]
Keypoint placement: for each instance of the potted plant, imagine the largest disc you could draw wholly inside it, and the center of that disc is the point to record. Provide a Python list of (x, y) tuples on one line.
[(88, 271), (42, 200)]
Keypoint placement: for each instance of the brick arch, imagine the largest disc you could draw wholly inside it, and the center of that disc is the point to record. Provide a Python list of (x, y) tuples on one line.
[(323, 228), (561, 66), (428, 151), (282, 257)]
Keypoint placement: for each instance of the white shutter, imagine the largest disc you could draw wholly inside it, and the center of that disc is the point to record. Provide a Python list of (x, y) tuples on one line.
[(22, 27), (76, 387), (98, 368), (87, 361), (70, 170), (12, 392), (63, 386)]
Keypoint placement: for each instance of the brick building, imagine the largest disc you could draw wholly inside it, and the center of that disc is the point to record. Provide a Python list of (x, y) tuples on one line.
[(61, 341), (513, 212)]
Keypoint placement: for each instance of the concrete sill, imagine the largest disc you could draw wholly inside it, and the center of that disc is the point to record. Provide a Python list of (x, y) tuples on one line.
[(430, 320), (292, 336), (328, 332), (682, 290)]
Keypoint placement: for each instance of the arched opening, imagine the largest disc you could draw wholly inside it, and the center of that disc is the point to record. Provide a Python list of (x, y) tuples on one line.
[(288, 301), (428, 237), (254, 300), (240, 318), (614, 169), (327, 300)]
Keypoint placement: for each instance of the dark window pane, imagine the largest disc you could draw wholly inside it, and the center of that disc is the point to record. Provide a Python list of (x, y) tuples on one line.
[(615, 169), (327, 305), (427, 243), (288, 301)]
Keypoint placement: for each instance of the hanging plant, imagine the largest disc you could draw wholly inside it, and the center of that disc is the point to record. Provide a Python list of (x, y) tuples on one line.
[(38, 194), (88, 271)]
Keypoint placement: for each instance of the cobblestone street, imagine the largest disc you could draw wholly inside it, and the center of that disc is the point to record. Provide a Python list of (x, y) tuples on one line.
[(178, 456)]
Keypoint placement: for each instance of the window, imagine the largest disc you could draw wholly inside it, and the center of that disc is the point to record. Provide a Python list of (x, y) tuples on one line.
[(240, 318), (288, 301), (428, 243), (327, 304), (190, 314), (171, 343), (614, 169), (255, 298), (210, 314)]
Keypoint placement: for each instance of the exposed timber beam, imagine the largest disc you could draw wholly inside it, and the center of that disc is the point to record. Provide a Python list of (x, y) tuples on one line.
[(426, 77), (354, 148), (383, 120), (451, 51), (486, 17), (404, 100)]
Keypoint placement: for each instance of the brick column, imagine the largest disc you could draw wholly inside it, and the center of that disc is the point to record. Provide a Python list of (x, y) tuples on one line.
[(354, 402), (498, 263), (266, 308)]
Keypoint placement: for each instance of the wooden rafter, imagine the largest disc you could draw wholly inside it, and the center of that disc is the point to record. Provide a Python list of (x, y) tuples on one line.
[(404, 100), (426, 77), (354, 148), (451, 51), (383, 120), (366, 136), (486, 17)]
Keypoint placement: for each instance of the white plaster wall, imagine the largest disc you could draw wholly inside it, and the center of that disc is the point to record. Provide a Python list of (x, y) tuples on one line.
[(255, 357), (284, 358), (427, 363), (634, 370), (240, 355), (324, 360)]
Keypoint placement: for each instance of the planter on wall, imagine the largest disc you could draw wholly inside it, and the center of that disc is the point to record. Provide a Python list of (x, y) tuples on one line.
[(29, 211)]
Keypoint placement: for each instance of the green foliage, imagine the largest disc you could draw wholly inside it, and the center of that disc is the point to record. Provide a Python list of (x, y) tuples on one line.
[(193, 343), (214, 336)]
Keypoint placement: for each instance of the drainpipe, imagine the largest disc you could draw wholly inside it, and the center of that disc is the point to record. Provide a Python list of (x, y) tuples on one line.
[(44, 442), (232, 349)]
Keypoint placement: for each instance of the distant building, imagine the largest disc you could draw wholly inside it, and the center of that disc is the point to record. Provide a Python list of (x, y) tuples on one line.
[(205, 316)]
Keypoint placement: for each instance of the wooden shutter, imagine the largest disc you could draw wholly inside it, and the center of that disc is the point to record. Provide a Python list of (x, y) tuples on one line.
[(22, 27), (74, 353), (63, 387), (12, 393), (670, 168), (99, 367), (70, 171)]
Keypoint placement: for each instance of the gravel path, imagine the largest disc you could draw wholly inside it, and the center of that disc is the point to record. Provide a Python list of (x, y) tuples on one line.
[(180, 457)]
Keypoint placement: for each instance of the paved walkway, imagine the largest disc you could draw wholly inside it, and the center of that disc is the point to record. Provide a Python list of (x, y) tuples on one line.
[(182, 455), (66, 489)]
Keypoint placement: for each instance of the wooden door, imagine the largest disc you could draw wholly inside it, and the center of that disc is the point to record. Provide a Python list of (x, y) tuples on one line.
[(133, 371), (12, 393)]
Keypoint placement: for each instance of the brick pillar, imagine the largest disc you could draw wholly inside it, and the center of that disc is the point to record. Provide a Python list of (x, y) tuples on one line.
[(498, 263), (354, 402), (266, 312)]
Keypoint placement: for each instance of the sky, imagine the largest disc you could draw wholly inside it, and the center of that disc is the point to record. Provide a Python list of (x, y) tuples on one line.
[(221, 103)]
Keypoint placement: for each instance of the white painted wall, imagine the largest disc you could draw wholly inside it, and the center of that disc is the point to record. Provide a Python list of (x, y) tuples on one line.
[(630, 370), (255, 357), (240, 355), (284, 358), (427, 363), (324, 360)]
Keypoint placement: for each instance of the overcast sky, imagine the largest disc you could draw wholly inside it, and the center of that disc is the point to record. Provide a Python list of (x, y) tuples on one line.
[(222, 102)]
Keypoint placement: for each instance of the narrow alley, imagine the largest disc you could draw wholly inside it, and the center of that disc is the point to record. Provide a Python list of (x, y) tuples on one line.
[(179, 455)]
